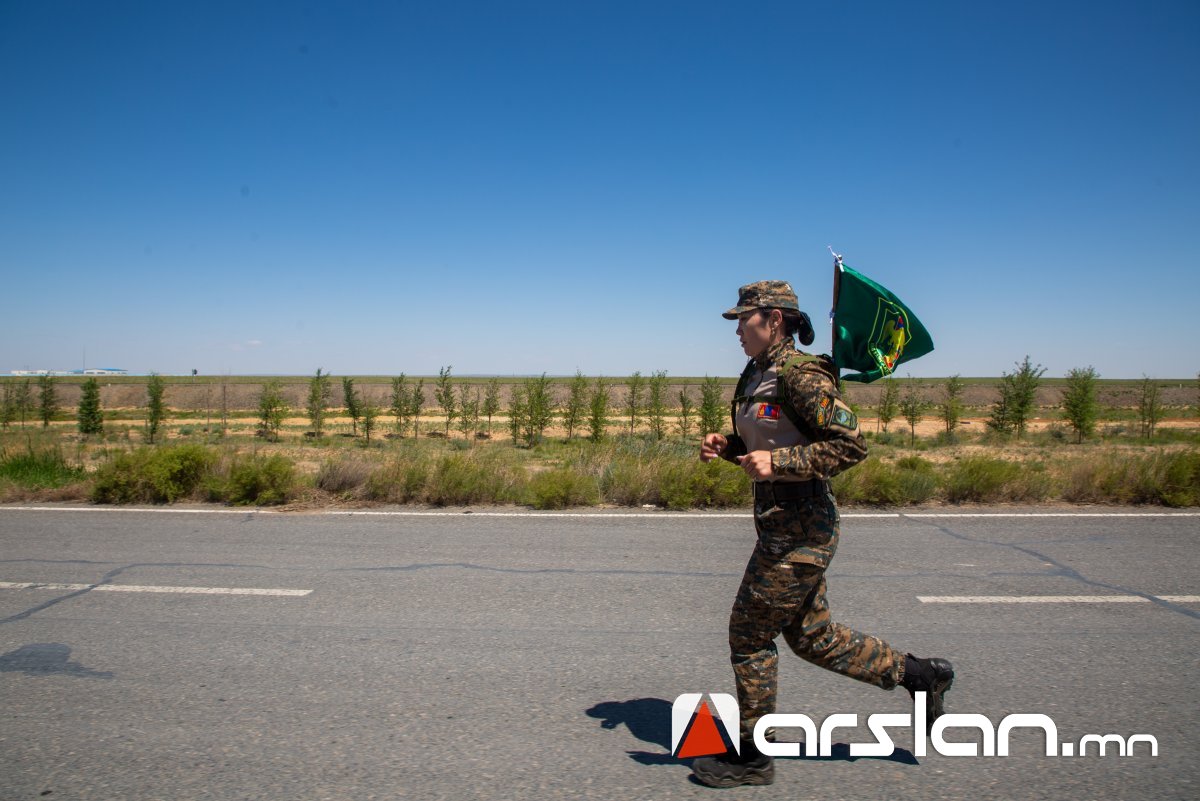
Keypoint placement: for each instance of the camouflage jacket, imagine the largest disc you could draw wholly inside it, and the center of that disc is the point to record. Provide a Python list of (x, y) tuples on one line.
[(787, 402)]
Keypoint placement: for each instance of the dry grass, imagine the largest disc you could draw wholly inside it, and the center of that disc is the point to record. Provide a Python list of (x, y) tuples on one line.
[(622, 471)]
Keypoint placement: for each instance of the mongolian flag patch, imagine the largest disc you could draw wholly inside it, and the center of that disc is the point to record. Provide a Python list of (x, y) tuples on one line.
[(768, 411)]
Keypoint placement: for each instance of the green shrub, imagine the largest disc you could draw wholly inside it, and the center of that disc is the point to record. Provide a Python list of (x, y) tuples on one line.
[(916, 464), (1035, 483), (874, 481), (628, 476), (464, 478), (120, 480), (691, 484), (1100, 479), (1180, 484), (979, 478), (40, 469), (878, 483), (982, 479), (401, 480), (261, 481), (153, 475), (586, 458), (917, 487), (918, 479), (560, 488), (628, 482), (463, 475), (1169, 479), (176, 472), (638, 471), (720, 484)]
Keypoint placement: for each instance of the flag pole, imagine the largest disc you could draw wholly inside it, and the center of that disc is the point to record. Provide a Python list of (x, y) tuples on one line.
[(837, 285)]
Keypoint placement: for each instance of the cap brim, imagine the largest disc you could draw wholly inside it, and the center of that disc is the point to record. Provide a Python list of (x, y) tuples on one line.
[(736, 311)]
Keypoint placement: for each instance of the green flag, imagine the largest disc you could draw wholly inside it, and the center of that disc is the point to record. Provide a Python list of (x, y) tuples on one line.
[(873, 331)]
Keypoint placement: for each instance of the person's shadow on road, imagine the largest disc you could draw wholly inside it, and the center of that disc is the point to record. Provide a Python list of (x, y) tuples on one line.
[(649, 720), (47, 659)]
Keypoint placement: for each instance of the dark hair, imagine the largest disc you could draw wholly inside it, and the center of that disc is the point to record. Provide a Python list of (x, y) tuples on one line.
[(797, 324)]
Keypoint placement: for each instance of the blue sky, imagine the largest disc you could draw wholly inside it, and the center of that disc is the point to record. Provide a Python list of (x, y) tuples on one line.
[(527, 187)]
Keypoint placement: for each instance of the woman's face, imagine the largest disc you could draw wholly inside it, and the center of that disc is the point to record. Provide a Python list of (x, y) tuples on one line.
[(755, 331)]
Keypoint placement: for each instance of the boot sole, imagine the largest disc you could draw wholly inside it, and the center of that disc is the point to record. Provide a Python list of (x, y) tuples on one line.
[(758, 777)]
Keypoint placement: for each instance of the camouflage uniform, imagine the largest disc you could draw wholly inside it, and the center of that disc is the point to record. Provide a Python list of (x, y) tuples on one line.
[(787, 402)]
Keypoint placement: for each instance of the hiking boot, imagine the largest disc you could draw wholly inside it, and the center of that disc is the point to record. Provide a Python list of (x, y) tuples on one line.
[(731, 770), (934, 677)]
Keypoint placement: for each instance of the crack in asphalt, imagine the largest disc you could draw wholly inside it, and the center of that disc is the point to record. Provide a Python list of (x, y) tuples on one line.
[(106, 579), (1065, 571), (1061, 570)]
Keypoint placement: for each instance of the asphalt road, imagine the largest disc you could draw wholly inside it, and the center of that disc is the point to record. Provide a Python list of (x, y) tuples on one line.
[(475, 656)]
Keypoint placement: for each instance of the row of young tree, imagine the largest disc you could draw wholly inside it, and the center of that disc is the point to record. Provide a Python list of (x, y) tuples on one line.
[(587, 405), (17, 403), (533, 405), (1013, 409)]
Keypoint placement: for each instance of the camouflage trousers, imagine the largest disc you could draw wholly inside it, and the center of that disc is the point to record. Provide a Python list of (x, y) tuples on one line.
[(783, 591)]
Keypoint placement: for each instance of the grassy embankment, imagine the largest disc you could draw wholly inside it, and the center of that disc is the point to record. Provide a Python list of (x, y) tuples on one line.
[(201, 459)]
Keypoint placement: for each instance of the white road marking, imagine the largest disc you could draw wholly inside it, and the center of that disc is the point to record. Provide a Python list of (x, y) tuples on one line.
[(162, 511), (32, 585), (742, 515), (658, 515), (1049, 514), (597, 515), (1054, 599)]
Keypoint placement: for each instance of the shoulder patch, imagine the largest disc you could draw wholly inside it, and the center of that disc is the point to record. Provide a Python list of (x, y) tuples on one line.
[(845, 418), (824, 409)]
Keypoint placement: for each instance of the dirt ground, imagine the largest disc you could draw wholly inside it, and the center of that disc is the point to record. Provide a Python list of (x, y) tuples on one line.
[(927, 428)]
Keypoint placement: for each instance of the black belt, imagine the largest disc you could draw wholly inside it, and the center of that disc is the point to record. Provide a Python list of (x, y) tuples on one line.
[(790, 490)]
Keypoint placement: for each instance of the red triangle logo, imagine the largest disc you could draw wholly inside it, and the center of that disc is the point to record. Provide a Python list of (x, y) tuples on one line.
[(703, 736)]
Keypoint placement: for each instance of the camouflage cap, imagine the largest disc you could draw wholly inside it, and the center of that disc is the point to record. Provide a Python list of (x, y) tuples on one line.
[(763, 295)]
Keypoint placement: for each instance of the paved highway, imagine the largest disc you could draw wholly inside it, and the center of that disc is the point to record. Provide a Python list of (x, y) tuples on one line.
[(174, 655)]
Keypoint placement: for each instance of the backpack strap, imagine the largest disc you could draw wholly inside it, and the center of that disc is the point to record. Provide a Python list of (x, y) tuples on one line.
[(737, 392), (794, 362), (799, 359)]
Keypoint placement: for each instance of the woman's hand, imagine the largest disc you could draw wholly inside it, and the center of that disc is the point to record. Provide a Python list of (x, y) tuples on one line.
[(757, 465), (712, 447)]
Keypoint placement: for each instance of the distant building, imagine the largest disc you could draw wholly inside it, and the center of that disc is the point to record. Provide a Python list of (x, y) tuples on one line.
[(89, 371)]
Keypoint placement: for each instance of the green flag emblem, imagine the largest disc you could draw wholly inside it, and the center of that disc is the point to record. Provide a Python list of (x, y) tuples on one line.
[(873, 331)]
